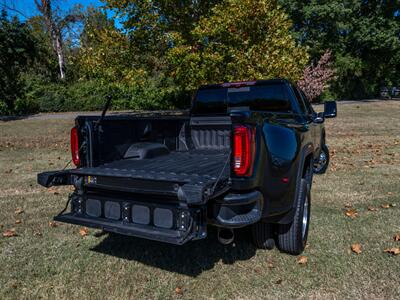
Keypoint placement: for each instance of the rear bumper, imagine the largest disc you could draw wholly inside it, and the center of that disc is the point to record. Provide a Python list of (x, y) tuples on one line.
[(160, 222), (238, 210), (151, 233)]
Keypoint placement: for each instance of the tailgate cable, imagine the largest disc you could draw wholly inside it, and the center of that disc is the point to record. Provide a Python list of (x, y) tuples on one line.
[(68, 163), (220, 174), (62, 170), (66, 205), (78, 182)]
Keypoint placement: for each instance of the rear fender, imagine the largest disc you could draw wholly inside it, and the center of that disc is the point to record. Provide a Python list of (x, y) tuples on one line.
[(287, 217)]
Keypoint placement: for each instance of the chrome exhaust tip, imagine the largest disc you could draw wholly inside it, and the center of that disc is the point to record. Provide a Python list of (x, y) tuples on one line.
[(225, 236)]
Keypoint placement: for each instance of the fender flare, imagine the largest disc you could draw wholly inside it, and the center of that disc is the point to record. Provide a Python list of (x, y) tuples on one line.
[(305, 151), (288, 217)]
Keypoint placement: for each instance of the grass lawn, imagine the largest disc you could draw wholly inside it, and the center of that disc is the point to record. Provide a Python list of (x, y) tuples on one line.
[(45, 261)]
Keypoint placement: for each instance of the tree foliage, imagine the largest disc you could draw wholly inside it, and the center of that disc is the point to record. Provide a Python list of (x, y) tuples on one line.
[(151, 23), (364, 37), (106, 56), (17, 50), (240, 40), (317, 76), (161, 50)]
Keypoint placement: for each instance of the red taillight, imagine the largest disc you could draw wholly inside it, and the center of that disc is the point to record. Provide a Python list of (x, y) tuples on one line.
[(243, 150), (75, 147)]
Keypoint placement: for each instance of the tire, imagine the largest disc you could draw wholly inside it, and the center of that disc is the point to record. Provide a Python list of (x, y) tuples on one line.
[(322, 165), (292, 238), (262, 235)]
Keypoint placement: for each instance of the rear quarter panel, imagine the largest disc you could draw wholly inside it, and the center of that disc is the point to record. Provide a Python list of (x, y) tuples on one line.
[(282, 145)]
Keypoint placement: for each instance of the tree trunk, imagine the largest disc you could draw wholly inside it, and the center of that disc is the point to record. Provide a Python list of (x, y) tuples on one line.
[(44, 6), (58, 49)]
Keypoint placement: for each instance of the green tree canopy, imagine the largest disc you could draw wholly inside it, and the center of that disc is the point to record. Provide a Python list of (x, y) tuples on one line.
[(364, 37), (240, 40), (149, 23), (17, 50)]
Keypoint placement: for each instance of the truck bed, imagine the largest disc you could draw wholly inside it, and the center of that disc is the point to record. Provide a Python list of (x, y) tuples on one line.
[(189, 173)]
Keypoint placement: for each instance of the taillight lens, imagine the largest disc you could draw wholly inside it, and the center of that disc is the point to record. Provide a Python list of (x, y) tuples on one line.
[(243, 150), (75, 147)]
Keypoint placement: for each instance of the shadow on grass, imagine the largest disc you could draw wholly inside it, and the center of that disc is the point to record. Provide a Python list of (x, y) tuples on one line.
[(14, 118), (190, 259)]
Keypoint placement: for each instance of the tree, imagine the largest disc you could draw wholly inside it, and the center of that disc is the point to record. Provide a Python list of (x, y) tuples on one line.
[(105, 53), (364, 37), (44, 6), (317, 76), (55, 26), (151, 25), (17, 51), (240, 40)]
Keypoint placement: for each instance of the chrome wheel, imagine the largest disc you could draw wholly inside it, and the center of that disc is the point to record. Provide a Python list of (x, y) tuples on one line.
[(321, 162), (304, 224)]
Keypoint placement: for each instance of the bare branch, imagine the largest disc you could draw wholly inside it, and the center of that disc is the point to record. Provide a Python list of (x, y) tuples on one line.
[(14, 10)]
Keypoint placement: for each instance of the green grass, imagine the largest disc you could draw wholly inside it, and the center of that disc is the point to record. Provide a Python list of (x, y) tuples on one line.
[(56, 262)]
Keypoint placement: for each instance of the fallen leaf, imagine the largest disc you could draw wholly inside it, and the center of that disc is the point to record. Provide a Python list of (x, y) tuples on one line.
[(270, 265), (178, 291), (9, 233), (19, 211), (351, 213), (386, 206), (356, 248), (397, 237), (371, 208), (84, 231), (394, 251), (18, 221), (302, 260), (53, 224)]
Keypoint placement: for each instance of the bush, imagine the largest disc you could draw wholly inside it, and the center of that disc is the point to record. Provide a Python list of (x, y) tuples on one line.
[(3, 108), (44, 96), (26, 106), (79, 96)]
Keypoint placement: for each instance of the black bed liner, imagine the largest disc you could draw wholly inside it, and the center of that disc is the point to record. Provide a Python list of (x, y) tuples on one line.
[(190, 175)]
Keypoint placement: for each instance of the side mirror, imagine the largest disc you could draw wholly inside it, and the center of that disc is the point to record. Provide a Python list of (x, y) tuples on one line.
[(330, 110), (319, 118)]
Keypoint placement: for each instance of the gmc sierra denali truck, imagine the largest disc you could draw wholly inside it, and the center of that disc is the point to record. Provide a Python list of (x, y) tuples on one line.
[(245, 156)]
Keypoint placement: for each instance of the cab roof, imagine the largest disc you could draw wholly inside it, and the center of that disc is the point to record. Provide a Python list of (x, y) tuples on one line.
[(238, 84)]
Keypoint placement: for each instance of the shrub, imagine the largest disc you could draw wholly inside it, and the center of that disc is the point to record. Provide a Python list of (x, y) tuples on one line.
[(317, 76), (44, 96)]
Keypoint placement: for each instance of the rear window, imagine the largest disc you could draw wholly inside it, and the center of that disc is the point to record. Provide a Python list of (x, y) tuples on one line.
[(271, 97)]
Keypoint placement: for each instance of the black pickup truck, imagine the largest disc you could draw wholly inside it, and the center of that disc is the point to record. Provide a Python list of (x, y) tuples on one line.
[(244, 156)]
